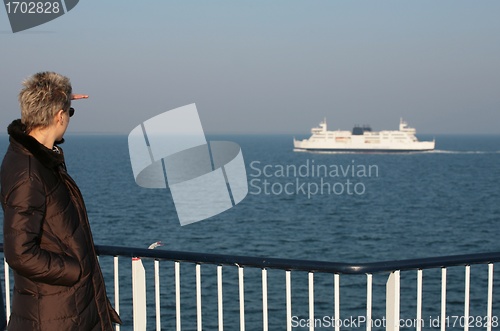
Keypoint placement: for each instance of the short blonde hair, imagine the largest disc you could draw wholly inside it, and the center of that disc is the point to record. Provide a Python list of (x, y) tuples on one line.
[(43, 95)]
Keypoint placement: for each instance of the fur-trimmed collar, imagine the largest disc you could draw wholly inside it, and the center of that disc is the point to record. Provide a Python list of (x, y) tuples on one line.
[(49, 158)]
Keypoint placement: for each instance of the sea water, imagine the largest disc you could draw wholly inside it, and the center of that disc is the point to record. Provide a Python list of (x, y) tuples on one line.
[(335, 207)]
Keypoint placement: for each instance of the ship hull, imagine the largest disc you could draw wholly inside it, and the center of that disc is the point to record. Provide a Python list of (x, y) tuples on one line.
[(307, 146), (355, 150)]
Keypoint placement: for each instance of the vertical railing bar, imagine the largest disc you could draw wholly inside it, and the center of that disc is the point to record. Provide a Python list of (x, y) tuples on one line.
[(7, 289), (443, 299), (311, 301), (264, 300), (393, 300), (288, 281), (157, 295), (419, 300), (336, 285), (117, 289), (242, 298), (198, 297), (369, 290), (219, 298), (467, 298), (490, 296), (139, 295), (177, 295)]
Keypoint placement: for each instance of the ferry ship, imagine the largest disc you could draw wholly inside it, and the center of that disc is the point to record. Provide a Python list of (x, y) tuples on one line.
[(363, 139)]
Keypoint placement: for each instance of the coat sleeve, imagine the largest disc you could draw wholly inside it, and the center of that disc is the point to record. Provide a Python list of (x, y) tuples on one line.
[(24, 210)]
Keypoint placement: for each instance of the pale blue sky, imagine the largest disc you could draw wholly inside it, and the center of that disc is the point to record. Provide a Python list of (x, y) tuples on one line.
[(268, 66)]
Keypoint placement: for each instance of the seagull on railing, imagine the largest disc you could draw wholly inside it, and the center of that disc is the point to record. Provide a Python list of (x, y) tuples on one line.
[(155, 244)]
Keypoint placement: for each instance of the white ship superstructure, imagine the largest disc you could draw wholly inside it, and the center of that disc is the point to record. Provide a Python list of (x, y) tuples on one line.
[(363, 139)]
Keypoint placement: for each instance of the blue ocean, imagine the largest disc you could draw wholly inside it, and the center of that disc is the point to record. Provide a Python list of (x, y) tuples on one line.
[(335, 207)]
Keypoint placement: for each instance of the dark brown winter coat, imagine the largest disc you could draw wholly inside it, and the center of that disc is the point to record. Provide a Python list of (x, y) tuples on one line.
[(58, 284)]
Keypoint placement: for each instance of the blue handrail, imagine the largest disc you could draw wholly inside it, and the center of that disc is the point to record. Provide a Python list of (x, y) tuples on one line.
[(301, 265)]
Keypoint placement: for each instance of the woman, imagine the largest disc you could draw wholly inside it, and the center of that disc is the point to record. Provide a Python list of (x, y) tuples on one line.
[(58, 284)]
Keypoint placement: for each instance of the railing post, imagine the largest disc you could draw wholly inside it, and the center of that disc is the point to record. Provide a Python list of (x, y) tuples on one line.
[(220, 302), (264, 300), (419, 323), (490, 297), (3, 317), (443, 299), (311, 301), (117, 289), (288, 282), (369, 292), (467, 298), (198, 298), (392, 302), (177, 272), (139, 294), (242, 297), (336, 285), (7, 290), (157, 295)]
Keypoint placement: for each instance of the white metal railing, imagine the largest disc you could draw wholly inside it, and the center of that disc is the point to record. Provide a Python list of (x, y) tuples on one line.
[(394, 302)]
